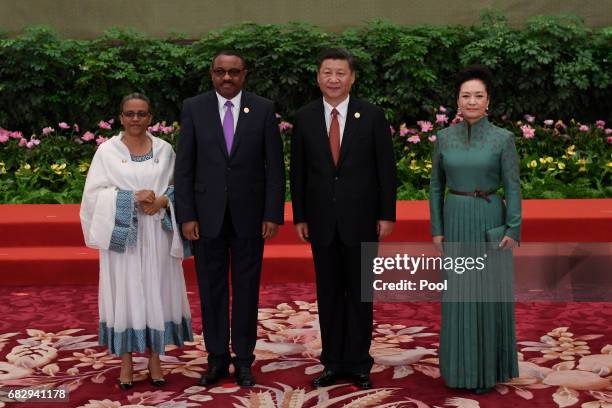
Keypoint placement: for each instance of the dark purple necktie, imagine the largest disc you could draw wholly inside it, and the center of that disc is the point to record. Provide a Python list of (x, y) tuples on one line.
[(228, 125)]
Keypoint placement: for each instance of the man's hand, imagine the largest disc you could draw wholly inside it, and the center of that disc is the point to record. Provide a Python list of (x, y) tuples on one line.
[(268, 229), (302, 230), (384, 228), (191, 230), (144, 196), (437, 242), (155, 206)]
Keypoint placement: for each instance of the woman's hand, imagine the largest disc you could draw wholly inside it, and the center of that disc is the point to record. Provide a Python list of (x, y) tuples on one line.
[(508, 243), (155, 206), (144, 196), (437, 242)]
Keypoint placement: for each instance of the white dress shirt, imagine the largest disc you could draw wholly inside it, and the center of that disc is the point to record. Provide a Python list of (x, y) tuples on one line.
[(342, 109), (235, 110)]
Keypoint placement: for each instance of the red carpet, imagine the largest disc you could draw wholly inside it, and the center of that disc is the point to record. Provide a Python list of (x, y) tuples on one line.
[(48, 337), (43, 244), (48, 334)]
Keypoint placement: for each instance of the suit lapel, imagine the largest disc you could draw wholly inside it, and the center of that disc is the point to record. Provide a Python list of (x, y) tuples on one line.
[(213, 117), (351, 124), (243, 118)]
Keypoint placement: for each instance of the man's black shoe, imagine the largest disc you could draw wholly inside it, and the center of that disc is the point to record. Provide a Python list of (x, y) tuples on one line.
[(328, 377), (213, 375), (244, 377), (362, 380)]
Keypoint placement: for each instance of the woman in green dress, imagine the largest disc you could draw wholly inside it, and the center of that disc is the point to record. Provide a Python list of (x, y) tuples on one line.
[(473, 159)]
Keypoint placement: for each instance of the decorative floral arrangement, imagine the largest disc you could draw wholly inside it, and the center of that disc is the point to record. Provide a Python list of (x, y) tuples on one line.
[(558, 160)]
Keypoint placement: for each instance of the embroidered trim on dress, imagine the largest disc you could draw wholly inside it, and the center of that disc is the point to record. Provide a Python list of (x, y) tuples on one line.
[(126, 222), (141, 158), (138, 340), (167, 220)]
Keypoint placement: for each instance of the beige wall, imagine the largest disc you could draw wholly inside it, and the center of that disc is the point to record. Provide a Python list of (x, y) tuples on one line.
[(89, 18)]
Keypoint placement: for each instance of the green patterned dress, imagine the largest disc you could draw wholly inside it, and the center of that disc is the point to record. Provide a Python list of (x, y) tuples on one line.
[(477, 335)]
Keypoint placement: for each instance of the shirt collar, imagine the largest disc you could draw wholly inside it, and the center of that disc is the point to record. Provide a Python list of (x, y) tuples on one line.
[(342, 107), (235, 100)]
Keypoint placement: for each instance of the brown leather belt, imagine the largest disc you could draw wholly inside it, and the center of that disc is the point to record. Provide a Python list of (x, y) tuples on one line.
[(476, 193)]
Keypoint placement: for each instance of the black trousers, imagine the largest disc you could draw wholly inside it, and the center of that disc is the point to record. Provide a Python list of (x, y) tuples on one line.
[(346, 321), (214, 259)]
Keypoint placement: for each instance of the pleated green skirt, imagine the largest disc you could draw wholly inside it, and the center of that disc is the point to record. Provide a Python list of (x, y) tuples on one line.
[(477, 335)]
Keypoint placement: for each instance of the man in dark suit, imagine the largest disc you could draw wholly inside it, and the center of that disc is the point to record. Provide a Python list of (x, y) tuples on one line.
[(229, 188), (343, 188)]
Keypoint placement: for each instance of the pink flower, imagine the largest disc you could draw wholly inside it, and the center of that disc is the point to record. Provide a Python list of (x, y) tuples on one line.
[(87, 136), (104, 125), (441, 119), (442, 109), (166, 130), (48, 130), (608, 131), (23, 142), (529, 118), (278, 116), (414, 139), (425, 125), (16, 135), (600, 124), (610, 139), (101, 140), (4, 135), (403, 130), (111, 121), (392, 130), (560, 125), (33, 142), (63, 125), (584, 128), (432, 138), (155, 128), (285, 126), (528, 131), (458, 118), (76, 128), (549, 122)]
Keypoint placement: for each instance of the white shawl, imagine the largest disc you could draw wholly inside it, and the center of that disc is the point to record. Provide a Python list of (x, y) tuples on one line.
[(110, 171)]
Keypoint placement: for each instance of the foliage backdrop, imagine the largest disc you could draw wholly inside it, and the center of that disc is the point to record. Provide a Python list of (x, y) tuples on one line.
[(54, 93), (553, 67)]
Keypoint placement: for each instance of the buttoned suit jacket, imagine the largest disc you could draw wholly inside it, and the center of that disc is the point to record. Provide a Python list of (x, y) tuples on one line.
[(356, 193), (249, 179)]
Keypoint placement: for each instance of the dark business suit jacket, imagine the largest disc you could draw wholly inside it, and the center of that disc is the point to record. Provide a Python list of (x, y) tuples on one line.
[(353, 195), (249, 180)]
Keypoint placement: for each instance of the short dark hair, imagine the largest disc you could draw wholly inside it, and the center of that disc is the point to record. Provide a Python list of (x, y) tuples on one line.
[(134, 95), (229, 53), (475, 71), (336, 54)]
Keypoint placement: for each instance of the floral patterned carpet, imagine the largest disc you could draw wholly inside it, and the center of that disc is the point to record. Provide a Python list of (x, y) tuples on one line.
[(48, 339)]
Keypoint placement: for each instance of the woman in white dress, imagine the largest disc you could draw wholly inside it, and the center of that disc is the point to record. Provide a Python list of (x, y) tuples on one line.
[(127, 213)]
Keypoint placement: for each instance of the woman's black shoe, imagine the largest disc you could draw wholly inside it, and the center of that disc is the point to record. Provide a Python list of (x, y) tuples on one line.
[(158, 382), (125, 386)]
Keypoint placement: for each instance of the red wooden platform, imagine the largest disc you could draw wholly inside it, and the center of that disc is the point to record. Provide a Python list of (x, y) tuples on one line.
[(43, 244)]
